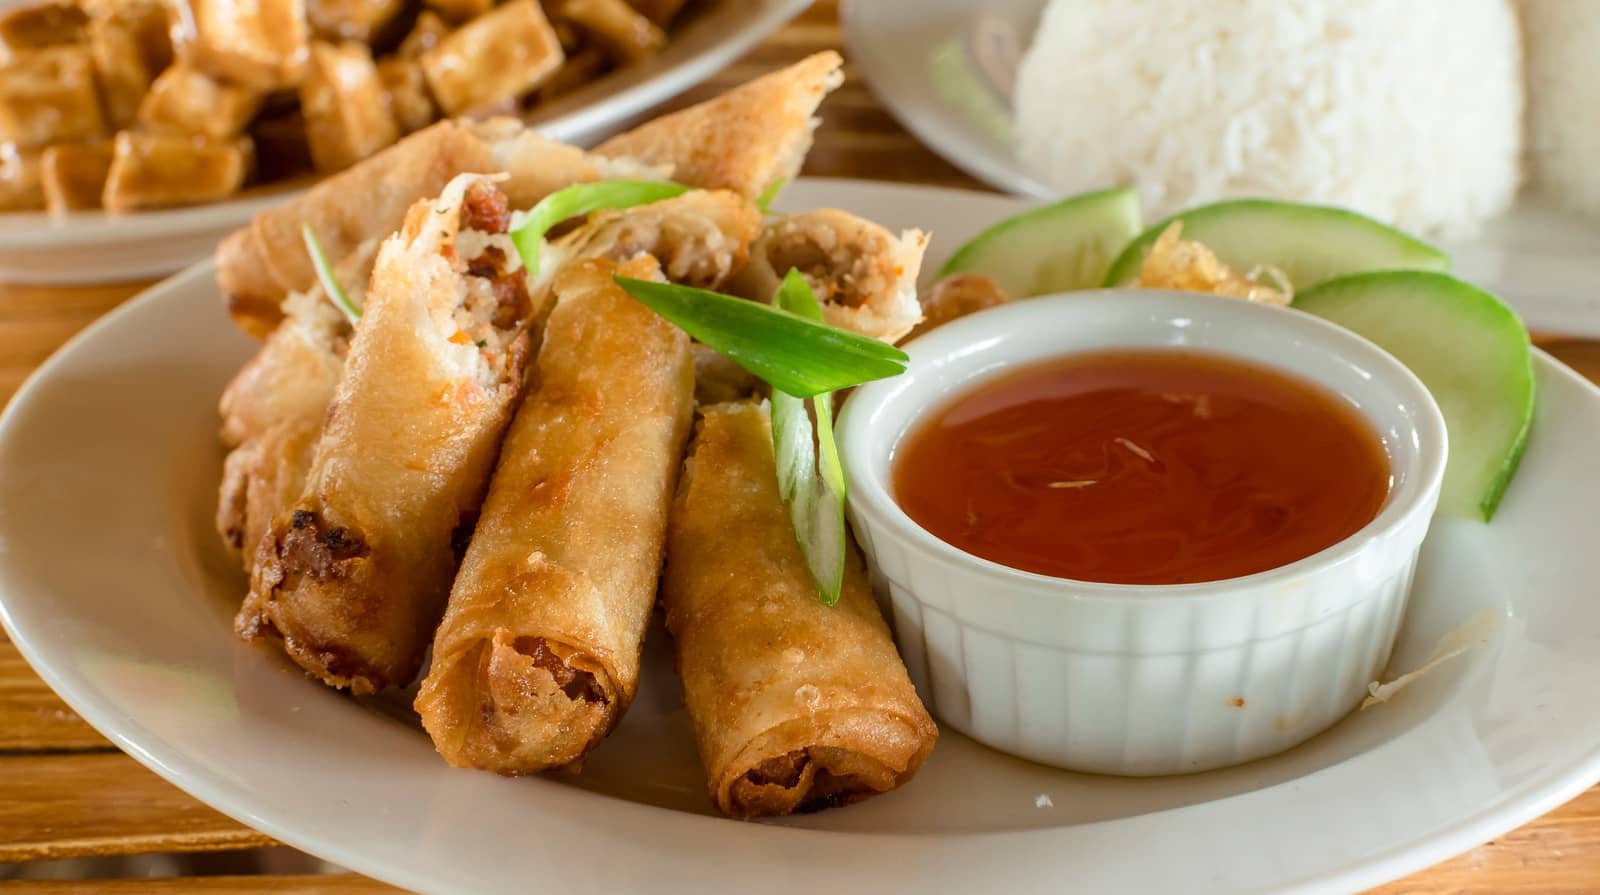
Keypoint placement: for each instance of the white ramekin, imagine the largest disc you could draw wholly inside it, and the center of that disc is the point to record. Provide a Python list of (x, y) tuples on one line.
[(1143, 680)]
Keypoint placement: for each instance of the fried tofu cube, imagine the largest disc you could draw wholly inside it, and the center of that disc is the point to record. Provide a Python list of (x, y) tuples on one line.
[(20, 186), (261, 44), (424, 35), (498, 56), (407, 89), (580, 69), (346, 110), (185, 101), (336, 20), (459, 11), (74, 175), (48, 96), (281, 148), (35, 26), (616, 26), (661, 12), (119, 65), (161, 170), (148, 21)]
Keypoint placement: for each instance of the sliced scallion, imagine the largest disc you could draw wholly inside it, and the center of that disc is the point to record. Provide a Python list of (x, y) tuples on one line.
[(794, 354), (810, 476), (528, 228), (330, 284)]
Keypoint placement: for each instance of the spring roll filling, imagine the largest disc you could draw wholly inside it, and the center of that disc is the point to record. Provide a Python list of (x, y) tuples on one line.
[(491, 301), (842, 268), (576, 683)]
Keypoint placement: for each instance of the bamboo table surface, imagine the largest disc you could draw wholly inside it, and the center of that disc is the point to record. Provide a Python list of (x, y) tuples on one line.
[(67, 792)]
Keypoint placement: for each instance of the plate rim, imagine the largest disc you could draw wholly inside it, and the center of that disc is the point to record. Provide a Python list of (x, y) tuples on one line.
[(1535, 797)]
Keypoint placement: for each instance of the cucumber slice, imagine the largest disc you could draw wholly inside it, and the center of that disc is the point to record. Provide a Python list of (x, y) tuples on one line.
[(1309, 243), (1468, 348), (1057, 248)]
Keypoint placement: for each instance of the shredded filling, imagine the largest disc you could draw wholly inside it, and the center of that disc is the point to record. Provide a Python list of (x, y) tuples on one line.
[(579, 685), (495, 302)]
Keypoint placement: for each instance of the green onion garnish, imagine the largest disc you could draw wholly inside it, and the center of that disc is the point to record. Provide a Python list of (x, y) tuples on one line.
[(330, 285), (810, 476), (794, 354), (528, 228), (770, 195)]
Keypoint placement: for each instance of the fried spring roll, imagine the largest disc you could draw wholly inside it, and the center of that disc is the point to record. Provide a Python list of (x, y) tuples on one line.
[(865, 277), (355, 575), (538, 655), (295, 372), (538, 165), (744, 139), (955, 297), (701, 238), (260, 264), (272, 411), (795, 705)]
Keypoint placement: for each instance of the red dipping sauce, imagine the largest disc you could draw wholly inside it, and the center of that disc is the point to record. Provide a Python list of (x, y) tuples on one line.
[(1143, 466)]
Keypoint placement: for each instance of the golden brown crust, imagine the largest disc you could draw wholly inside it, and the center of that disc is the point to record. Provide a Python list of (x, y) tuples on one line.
[(355, 576), (744, 139), (864, 276), (701, 238), (273, 409), (795, 705), (259, 265), (538, 654), (955, 297)]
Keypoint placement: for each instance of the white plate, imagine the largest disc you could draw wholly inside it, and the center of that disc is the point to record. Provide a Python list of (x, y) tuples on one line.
[(114, 588), (919, 59), (96, 247)]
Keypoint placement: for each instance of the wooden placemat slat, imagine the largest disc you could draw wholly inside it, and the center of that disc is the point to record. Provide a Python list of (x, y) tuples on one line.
[(343, 884), (64, 806), (32, 717)]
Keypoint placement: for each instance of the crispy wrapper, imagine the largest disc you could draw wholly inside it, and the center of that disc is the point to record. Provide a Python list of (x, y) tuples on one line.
[(796, 705), (260, 264), (864, 276), (538, 166), (744, 139), (955, 297), (538, 655), (701, 238), (272, 411), (354, 577)]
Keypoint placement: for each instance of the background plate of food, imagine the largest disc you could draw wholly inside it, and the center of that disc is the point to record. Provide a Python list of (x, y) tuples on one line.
[(281, 683), (1050, 99), (134, 134)]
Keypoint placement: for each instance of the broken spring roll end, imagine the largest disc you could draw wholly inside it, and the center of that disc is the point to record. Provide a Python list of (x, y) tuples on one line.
[(538, 654)]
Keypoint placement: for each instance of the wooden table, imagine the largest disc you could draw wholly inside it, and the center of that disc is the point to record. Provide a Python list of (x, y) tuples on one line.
[(67, 792)]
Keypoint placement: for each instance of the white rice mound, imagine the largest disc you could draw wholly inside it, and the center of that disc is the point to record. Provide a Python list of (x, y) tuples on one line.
[(1407, 110), (1563, 47)]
